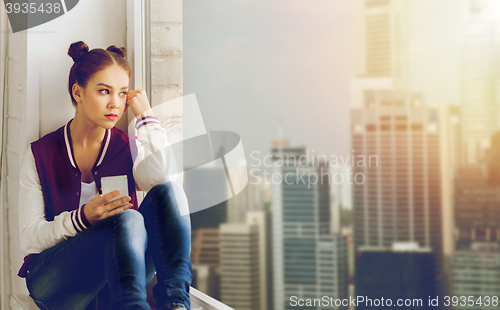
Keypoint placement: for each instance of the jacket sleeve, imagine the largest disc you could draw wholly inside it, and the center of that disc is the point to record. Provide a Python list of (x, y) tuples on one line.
[(38, 234), (155, 161)]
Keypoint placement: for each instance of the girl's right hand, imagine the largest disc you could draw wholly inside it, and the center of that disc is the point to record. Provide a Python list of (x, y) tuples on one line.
[(100, 207)]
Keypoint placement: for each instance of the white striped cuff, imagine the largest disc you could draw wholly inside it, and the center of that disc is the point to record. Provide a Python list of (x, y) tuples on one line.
[(77, 219), (146, 120)]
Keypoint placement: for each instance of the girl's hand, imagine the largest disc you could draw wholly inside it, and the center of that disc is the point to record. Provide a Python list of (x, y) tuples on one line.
[(100, 207), (138, 102)]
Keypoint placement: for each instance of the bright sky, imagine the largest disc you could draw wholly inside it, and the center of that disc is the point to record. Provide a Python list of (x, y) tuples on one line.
[(251, 62)]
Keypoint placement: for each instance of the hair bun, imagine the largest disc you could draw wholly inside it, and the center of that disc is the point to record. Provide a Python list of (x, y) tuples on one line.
[(77, 49), (119, 50)]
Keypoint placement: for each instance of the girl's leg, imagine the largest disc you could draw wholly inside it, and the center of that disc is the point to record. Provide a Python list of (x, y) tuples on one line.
[(70, 274), (168, 226), (103, 301)]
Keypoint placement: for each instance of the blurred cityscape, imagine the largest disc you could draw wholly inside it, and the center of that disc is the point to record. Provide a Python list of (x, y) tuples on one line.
[(410, 219)]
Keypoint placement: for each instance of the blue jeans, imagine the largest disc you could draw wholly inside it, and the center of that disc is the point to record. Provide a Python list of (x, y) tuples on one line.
[(117, 258)]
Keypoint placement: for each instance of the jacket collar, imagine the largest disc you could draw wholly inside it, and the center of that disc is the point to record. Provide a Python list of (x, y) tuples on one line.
[(69, 145)]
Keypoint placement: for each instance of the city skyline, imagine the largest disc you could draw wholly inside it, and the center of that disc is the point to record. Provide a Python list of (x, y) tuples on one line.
[(404, 98)]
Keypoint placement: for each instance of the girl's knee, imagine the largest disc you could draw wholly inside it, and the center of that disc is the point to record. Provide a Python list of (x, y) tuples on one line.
[(167, 187), (129, 230), (174, 193), (129, 220)]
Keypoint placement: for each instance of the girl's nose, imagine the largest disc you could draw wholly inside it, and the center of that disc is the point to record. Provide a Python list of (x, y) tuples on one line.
[(113, 102)]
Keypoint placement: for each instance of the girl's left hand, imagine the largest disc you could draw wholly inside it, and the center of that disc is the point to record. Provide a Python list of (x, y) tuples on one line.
[(138, 102)]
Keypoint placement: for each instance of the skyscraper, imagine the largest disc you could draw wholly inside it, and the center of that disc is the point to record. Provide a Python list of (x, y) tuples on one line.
[(205, 249), (396, 144), (261, 220), (477, 199), (398, 198), (480, 72), (476, 273), (206, 279), (395, 274), (205, 257), (240, 262), (395, 141), (382, 54), (245, 263), (308, 261), (249, 199)]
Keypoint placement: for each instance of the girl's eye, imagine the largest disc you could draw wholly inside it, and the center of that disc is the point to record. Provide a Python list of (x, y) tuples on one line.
[(105, 91), (123, 94)]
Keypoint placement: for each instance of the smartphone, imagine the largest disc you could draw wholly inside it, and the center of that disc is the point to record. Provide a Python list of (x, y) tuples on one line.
[(111, 184)]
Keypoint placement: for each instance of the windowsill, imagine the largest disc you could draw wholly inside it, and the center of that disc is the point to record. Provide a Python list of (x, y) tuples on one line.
[(199, 301)]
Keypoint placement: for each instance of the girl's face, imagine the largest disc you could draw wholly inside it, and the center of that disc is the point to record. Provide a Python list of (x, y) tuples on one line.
[(103, 100)]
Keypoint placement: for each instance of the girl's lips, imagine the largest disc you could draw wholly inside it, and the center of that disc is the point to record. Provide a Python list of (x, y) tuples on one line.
[(111, 116)]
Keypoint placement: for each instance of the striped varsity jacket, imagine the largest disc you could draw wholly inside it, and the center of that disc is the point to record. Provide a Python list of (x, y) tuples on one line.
[(50, 181)]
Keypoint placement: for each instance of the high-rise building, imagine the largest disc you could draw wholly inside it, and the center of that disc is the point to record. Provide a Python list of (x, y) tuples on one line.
[(341, 199), (480, 71), (251, 198), (262, 221), (406, 191), (205, 257), (382, 33), (477, 199), (308, 261), (245, 263), (382, 53), (392, 126), (396, 195), (476, 263), (206, 279), (395, 274), (476, 273), (477, 206), (397, 176), (240, 262), (205, 248)]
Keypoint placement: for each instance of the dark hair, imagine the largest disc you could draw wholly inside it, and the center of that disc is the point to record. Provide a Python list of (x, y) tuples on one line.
[(87, 63)]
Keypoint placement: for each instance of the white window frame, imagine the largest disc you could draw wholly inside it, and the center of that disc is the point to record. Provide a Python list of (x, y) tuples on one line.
[(135, 42), (136, 52)]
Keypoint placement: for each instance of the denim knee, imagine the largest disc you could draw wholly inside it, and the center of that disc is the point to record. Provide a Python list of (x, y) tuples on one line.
[(131, 224), (129, 219), (166, 187), (173, 192)]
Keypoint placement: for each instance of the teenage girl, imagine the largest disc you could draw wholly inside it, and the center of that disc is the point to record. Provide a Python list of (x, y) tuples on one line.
[(86, 250)]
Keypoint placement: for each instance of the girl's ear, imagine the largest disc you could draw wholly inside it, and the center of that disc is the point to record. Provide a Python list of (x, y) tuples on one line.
[(77, 93)]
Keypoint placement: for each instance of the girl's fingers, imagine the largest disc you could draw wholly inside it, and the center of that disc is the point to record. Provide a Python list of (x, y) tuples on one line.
[(103, 199), (116, 203), (133, 93), (118, 210)]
